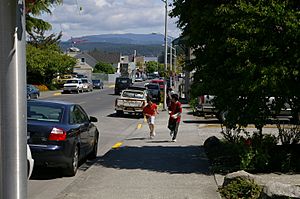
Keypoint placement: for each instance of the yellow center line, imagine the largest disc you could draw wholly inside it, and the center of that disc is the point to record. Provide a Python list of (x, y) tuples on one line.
[(117, 145), (57, 94), (139, 126)]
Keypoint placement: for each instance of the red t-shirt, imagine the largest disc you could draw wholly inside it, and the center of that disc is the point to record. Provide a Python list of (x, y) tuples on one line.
[(150, 109), (175, 108)]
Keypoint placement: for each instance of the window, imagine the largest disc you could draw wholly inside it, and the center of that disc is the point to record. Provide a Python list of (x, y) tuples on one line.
[(44, 113), (78, 116)]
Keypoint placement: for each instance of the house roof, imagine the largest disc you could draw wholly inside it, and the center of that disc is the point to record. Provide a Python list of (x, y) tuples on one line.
[(107, 57), (88, 58)]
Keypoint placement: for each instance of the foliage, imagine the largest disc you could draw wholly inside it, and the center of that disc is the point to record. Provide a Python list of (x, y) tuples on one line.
[(240, 150), (41, 87), (241, 188), (102, 67), (193, 103), (43, 64), (153, 66), (289, 136), (35, 26), (246, 51)]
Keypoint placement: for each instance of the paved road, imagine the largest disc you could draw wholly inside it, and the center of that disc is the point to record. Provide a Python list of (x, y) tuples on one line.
[(47, 183)]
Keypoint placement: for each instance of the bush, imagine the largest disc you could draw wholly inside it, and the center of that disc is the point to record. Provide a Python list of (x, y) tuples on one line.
[(42, 87), (241, 188)]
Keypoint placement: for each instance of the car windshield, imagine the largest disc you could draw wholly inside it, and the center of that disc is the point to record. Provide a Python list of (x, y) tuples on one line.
[(84, 81), (96, 81), (124, 81), (44, 113), (72, 81), (149, 86), (133, 94)]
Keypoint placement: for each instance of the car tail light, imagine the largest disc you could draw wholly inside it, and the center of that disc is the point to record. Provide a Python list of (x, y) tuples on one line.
[(57, 135)]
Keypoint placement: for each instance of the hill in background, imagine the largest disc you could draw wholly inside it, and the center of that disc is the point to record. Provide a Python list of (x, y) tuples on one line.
[(125, 44)]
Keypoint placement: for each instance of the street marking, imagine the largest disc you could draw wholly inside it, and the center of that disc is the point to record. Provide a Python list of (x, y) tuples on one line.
[(139, 126), (117, 145), (111, 86), (56, 94)]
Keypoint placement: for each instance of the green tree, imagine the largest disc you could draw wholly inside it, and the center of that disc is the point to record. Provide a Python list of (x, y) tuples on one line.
[(43, 64), (152, 66), (34, 8), (245, 51), (102, 67)]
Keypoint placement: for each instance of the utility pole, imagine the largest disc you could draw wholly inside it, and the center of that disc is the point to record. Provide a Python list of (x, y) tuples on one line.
[(13, 110), (166, 54), (171, 63)]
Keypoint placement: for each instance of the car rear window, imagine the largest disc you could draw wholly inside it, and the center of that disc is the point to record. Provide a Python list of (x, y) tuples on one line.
[(132, 94), (152, 86), (72, 81), (124, 81), (44, 113)]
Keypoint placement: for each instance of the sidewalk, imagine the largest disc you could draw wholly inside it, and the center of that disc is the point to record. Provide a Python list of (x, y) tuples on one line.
[(150, 168)]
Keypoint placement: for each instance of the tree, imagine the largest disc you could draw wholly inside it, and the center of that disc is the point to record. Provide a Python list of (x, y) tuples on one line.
[(44, 64), (245, 52), (102, 67), (34, 25), (152, 66)]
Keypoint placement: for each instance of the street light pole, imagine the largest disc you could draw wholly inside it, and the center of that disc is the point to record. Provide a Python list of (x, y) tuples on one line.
[(13, 128), (171, 63), (166, 53)]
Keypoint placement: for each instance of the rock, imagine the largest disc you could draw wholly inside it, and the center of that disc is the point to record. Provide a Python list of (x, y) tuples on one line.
[(277, 189), (239, 174)]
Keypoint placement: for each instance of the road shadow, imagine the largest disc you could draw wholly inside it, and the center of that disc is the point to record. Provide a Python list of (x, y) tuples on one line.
[(172, 159), (128, 116), (203, 121), (139, 138)]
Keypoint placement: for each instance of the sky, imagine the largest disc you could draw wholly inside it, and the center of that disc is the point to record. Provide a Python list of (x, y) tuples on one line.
[(76, 18)]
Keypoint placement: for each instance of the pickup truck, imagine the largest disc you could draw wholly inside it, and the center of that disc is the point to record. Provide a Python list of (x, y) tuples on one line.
[(131, 101), (73, 85)]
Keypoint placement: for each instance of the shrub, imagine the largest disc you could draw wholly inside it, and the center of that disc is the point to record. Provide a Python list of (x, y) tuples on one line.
[(241, 188), (42, 87)]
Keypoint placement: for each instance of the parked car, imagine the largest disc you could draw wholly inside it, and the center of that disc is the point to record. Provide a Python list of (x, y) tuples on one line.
[(30, 162), (73, 85), (205, 106), (121, 84), (60, 134), (154, 92), (97, 84), (132, 100), (32, 92), (87, 85), (138, 79), (161, 83)]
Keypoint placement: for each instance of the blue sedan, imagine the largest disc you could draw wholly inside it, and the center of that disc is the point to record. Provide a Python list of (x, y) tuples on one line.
[(32, 92), (60, 134)]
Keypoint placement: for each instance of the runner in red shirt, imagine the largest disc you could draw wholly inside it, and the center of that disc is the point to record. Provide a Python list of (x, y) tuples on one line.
[(150, 111), (175, 111)]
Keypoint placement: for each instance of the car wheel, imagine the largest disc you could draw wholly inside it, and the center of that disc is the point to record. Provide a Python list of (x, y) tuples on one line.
[(93, 154), (119, 113), (73, 167)]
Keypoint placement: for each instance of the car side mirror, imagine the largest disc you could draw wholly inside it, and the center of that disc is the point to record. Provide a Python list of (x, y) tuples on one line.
[(93, 119)]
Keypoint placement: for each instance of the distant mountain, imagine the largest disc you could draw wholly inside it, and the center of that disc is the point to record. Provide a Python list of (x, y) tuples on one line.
[(126, 44), (130, 38)]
